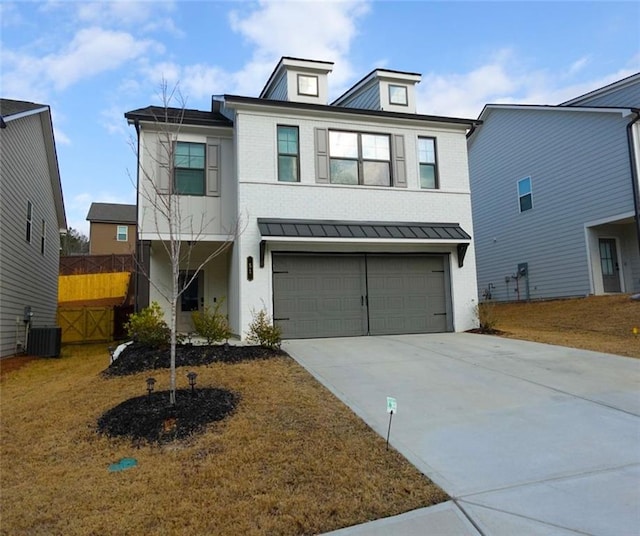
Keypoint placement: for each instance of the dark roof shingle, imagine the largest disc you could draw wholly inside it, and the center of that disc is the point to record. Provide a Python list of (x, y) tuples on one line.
[(112, 213)]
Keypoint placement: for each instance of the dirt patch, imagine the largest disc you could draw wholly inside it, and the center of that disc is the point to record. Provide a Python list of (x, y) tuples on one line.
[(137, 358), (152, 419), (599, 323), (10, 364)]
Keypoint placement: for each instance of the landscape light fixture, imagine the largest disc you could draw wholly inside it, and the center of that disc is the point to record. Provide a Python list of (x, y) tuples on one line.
[(192, 381), (150, 383)]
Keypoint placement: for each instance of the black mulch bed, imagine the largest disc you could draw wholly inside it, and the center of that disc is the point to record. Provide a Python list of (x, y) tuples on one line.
[(137, 357), (151, 418)]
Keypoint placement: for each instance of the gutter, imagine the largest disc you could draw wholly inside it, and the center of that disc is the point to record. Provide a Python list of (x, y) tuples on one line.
[(136, 124), (634, 171)]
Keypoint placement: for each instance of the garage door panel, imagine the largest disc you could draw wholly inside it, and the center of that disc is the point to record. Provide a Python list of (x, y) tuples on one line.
[(406, 294), (319, 295)]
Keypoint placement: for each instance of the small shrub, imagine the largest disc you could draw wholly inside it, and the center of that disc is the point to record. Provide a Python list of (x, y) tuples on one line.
[(148, 327), (263, 331), (487, 317), (211, 324)]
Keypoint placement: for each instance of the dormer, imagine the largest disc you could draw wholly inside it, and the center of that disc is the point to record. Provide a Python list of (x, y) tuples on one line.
[(299, 80), (382, 89)]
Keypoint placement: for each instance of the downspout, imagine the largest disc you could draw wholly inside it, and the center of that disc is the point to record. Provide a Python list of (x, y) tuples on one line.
[(136, 124), (634, 172)]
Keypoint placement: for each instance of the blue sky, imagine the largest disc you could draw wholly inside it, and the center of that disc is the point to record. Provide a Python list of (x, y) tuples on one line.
[(93, 61)]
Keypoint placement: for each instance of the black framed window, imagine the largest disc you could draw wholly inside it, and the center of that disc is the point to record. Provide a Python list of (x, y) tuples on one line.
[(398, 95), (43, 237), (307, 85), (359, 158), (29, 220), (189, 168), (288, 154), (428, 163)]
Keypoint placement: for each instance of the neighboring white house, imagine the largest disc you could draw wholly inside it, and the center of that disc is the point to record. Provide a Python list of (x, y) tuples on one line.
[(31, 220), (355, 216), (555, 196)]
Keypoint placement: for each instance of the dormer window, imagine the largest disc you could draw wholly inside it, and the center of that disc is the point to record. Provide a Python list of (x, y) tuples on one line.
[(398, 95), (307, 85)]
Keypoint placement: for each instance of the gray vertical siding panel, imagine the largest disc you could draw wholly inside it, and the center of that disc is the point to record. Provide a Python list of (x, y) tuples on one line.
[(368, 98), (579, 168), (279, 91), (26, 276)]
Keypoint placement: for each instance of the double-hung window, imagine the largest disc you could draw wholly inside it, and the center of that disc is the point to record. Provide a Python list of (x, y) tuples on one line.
[(359, 158), (428, 165), (29, 220), (288, 154), (525, 198), (189, 168), (121, 235)]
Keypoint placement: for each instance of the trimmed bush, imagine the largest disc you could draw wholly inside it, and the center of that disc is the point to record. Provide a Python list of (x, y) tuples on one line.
[(263, 331), (211, 324), (148, 327)]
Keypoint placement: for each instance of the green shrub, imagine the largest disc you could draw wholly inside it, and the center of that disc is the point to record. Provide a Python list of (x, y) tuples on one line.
[(263, 331), (148, 327), (211, 324)]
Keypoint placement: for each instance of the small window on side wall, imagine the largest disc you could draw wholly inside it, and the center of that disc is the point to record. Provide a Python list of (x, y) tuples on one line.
[(29, 220), (288, 154), (428, 163), (525, 198), (121, 236)]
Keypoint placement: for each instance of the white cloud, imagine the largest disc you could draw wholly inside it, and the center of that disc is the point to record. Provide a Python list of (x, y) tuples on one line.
[(503, 79), (91, 51)]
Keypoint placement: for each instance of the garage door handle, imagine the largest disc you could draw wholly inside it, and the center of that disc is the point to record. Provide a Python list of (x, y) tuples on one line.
[(277, 319), (439, 314)]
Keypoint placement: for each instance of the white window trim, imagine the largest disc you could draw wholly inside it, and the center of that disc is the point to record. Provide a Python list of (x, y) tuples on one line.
[(126, 233)]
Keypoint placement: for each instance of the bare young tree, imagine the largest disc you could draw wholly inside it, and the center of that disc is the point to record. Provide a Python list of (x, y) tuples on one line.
[(177, 230)]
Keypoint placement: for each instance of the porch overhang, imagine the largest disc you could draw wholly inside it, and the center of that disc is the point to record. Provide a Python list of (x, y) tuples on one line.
[(329, 231)]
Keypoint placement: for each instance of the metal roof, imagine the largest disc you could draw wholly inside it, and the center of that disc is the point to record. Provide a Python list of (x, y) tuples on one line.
[(362, 230), (112, 213)]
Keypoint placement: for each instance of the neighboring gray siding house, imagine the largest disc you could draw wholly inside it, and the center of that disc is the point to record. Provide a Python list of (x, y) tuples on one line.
[(31, 219), (555, 196)]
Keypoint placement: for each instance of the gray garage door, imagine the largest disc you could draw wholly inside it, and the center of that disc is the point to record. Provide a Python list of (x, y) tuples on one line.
[(349, 295)]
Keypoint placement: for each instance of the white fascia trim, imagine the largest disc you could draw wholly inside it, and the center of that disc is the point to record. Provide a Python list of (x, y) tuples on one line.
[(20, 115), (165, 237), (610, 219), (385, 241)]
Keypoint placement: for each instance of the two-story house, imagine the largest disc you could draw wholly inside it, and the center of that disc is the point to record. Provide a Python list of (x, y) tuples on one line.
[(353, 217), (555, 195), (32, 217), (112, 229)]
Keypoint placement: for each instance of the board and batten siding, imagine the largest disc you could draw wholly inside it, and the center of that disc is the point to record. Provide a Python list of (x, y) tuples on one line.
[(279, 91), (579, 168), (27, 277), (367, 98)]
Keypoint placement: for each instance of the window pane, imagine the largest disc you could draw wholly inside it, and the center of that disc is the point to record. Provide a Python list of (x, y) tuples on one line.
[(288, 168), (189, 155), (525, 203), (524, 186), (427, 176), (427, 151), (288, 140), (376, 173), (344, 171), (375, 147), (344, 144), (307, 85), (189, 181), (397, 94)]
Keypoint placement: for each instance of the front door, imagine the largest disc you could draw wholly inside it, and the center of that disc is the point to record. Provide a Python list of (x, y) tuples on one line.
[(190, 300), (609, 265)]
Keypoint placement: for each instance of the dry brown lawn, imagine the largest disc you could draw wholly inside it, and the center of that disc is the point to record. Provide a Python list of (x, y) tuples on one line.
[(291, 460), (599, 323)]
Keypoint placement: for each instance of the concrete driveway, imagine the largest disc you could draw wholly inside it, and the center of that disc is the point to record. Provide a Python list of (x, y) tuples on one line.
[(527, 438)]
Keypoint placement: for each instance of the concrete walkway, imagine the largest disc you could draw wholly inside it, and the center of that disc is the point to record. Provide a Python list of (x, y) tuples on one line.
[(526, 438)]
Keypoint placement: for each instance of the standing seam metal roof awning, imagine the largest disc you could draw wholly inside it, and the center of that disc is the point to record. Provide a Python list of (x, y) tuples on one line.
[(362, 230)]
